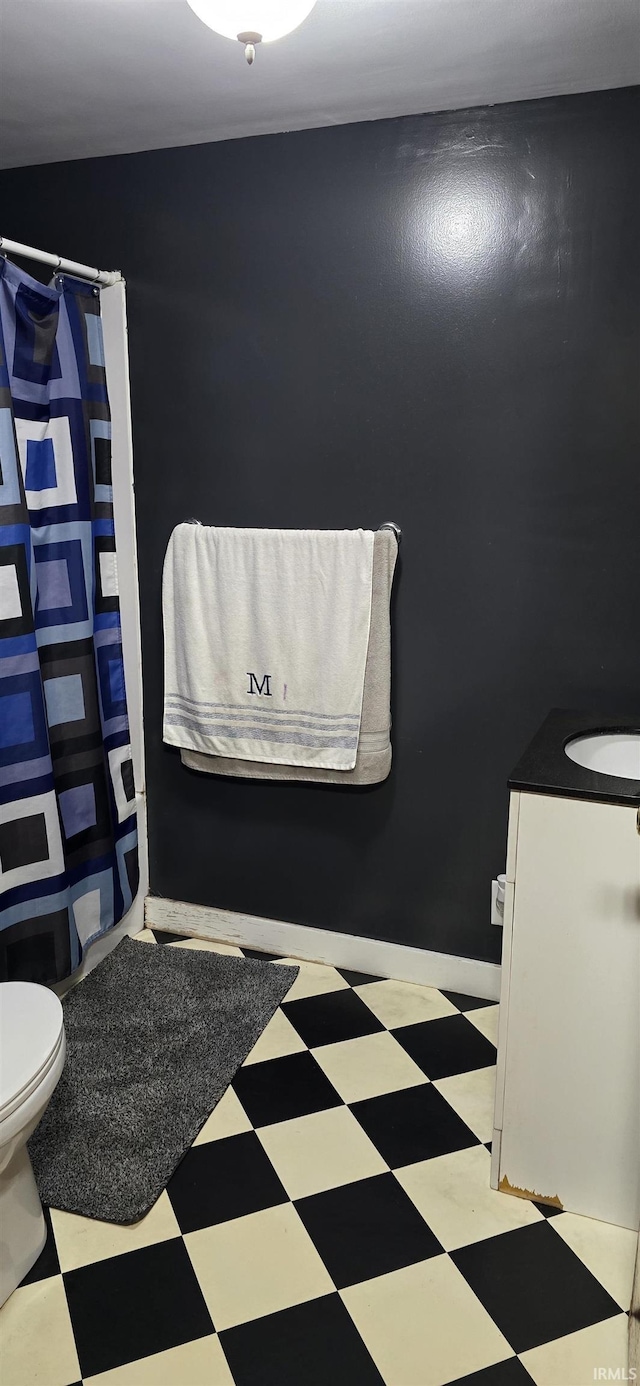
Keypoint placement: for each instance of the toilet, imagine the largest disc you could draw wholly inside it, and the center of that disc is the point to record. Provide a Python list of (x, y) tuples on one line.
[(32, 1054)]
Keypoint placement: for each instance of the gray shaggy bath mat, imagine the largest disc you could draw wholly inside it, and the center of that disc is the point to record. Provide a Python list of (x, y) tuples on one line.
[(154, 1037)]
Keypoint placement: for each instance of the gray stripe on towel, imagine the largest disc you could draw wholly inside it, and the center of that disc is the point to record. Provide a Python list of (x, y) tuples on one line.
[(305, 721), (264, 734), (278, 711)]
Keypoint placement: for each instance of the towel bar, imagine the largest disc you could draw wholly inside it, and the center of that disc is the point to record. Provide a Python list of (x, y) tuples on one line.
[(390, 524)]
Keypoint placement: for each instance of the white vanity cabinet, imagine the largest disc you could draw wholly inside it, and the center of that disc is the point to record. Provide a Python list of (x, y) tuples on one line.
[(567, 1116)]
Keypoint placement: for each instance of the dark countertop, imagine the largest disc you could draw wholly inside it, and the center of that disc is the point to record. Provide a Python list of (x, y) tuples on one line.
[(545, 769)]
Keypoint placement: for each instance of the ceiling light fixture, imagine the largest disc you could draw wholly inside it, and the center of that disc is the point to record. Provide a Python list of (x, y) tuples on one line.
[(252, 21)]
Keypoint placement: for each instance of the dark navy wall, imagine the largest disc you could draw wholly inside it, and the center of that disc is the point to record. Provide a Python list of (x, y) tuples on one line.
[(432, 320)]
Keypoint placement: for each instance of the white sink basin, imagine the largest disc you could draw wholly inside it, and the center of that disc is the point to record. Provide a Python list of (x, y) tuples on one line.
[(608, 753)]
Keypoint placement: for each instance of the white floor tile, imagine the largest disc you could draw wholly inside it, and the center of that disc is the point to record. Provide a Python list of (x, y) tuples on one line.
[(82, 1240), (320, 1151), (485, 1019), (257, 1265), (424, 1326), (608, 1251), (313, 979), (227, 1119), (37, 1343), (472, 1096), (277, 1039), (452, 1192), (368, 1066), (201, 1363), (404, 1003), (574, 1360)]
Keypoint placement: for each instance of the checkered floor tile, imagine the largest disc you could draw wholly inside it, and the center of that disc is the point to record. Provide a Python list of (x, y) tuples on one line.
[(333, 1224)]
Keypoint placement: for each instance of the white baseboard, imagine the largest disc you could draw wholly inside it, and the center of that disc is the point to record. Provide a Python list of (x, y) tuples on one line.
[(378, 958)]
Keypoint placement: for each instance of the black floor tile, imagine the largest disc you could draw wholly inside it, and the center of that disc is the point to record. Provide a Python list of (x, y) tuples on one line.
[(47, 1263), (281, 1089), (446, 1046), (314, 1344), (467, 1003), (357, 979), (366, 1229), (547, 1209), (261, 957), (220, 1180), (533, 1285), (162, 937), (415, 1124), (334, 1016), (135, 1305), (509, 1373)]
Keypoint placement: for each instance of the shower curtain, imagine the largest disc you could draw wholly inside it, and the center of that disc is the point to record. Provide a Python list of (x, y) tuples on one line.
[(68, 835)]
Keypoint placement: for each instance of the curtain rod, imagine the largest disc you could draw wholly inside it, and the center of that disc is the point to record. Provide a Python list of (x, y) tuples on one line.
[(57, 262)]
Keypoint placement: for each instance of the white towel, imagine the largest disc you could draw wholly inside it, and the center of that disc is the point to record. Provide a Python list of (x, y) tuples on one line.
[(266, 635)]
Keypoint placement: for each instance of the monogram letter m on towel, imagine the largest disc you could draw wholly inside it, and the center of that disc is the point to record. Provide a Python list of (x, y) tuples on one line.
[(266, 636)]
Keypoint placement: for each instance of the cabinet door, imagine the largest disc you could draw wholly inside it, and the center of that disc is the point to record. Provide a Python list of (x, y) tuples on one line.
[(571, 1118)]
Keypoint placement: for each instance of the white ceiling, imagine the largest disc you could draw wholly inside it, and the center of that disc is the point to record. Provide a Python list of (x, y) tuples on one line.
[(87, 77)]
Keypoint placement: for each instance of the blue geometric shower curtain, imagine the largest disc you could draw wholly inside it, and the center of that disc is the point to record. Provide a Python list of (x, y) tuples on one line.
[(68, 833)]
